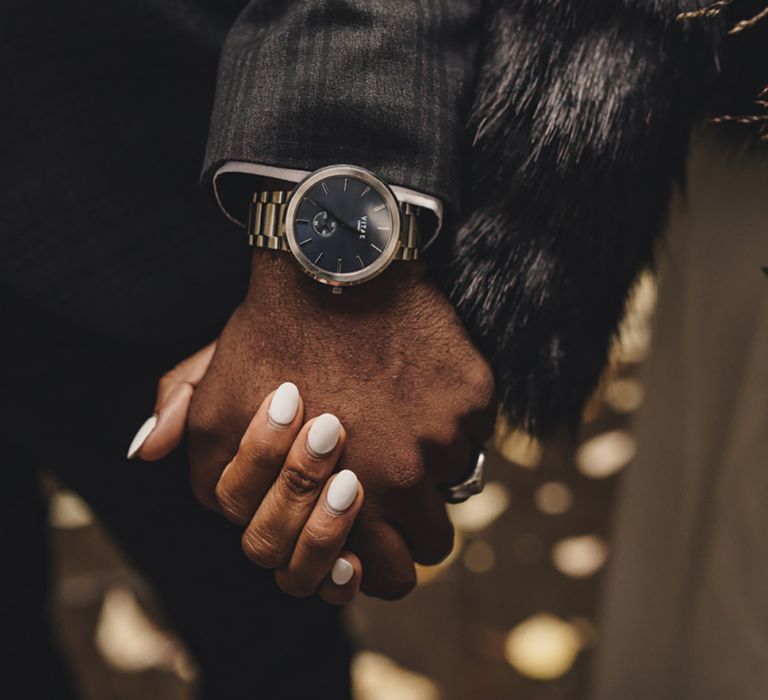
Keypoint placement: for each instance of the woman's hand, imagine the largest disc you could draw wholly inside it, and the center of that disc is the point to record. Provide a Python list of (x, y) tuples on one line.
[(297, 512), (280, 485)]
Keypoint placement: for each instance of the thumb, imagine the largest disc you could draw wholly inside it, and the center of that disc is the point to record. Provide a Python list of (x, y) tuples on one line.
[(162, 433)]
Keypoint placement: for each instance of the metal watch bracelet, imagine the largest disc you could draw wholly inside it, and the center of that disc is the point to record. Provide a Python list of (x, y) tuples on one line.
[(266, 224)]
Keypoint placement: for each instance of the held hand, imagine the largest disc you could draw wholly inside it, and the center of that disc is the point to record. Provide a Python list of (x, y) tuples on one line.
[(391, 359)]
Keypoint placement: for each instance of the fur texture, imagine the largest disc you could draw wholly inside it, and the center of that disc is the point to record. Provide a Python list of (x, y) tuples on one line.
[(580, 122)]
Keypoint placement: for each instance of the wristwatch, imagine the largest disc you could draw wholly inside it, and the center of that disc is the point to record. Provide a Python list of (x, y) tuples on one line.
[(342, 223)]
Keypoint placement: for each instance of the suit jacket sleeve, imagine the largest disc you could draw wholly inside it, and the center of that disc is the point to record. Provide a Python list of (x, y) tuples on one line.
[(379, 83), (580, 124)]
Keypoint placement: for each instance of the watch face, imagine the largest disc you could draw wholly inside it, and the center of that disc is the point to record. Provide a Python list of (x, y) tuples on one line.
[(343, 225)]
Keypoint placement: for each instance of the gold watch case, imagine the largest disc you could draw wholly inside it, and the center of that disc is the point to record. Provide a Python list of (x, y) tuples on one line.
[(343, 279)]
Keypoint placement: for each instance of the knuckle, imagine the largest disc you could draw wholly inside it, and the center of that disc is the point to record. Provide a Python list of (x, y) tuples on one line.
[(300, 481), (408, 474), (231, 506), (446, 431), (480, 382), (166, 382), (259, 451), (319, 539), (261, 550)]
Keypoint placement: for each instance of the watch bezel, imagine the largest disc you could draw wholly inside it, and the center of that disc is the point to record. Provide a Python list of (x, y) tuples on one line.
[(342, 279)]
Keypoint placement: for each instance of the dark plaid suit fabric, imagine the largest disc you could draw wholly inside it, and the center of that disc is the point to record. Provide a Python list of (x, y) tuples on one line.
[(380, 83), (105, 110)]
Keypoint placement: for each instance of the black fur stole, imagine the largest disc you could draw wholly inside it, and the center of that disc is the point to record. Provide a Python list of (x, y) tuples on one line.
[(580, 125)]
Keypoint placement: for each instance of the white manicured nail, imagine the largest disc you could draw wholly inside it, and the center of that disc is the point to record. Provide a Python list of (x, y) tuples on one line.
[(342, 491), (342, 572), (324, 434), (138, 440), (284, 404)]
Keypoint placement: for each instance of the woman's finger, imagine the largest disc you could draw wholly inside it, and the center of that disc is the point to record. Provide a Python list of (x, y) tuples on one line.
[(323, 536), (262, 452), (271, 535), (343, 583), (162, 432)]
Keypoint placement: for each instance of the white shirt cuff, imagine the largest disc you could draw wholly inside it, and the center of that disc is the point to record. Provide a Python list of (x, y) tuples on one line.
[(235, 207)]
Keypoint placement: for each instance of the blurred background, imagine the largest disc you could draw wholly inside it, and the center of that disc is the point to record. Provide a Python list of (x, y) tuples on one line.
[(510, 614)]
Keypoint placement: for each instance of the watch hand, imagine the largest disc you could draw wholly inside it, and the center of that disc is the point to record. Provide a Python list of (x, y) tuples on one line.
[(332, 214), (340, 221)]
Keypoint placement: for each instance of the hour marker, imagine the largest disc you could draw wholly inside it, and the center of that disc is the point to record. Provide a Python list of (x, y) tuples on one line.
[(325, 189), (383, 228), (375, 247), (346, 181), (338, 265), (317, 259), (311, 201), (380, 207), (309, 240), (366, 190), (359, 261), (302, 221)]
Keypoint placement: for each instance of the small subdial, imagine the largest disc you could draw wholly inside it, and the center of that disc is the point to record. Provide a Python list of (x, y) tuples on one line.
[(324, 225)]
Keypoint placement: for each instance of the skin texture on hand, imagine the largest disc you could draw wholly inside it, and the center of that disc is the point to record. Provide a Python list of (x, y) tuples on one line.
[(392, 361)]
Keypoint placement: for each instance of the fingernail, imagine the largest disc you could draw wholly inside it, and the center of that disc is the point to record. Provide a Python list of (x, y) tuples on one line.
[(141, 436), (324, 434), (342, 572), (342, 491), (284, 404)]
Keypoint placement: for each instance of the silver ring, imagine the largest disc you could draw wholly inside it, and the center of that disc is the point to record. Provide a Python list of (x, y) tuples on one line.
[(471, 486)]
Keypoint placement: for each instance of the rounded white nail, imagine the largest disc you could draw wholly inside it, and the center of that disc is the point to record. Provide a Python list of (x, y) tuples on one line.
[(342, 572), (342, 491), (143, 433), (284, 404), (324, 434)]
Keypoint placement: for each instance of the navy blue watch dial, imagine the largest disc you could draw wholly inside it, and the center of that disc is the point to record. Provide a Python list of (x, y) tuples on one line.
[(342, 225)]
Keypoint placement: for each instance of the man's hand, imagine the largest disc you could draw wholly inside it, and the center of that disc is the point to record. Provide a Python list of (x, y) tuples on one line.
[(390, 358), (392, 361)]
